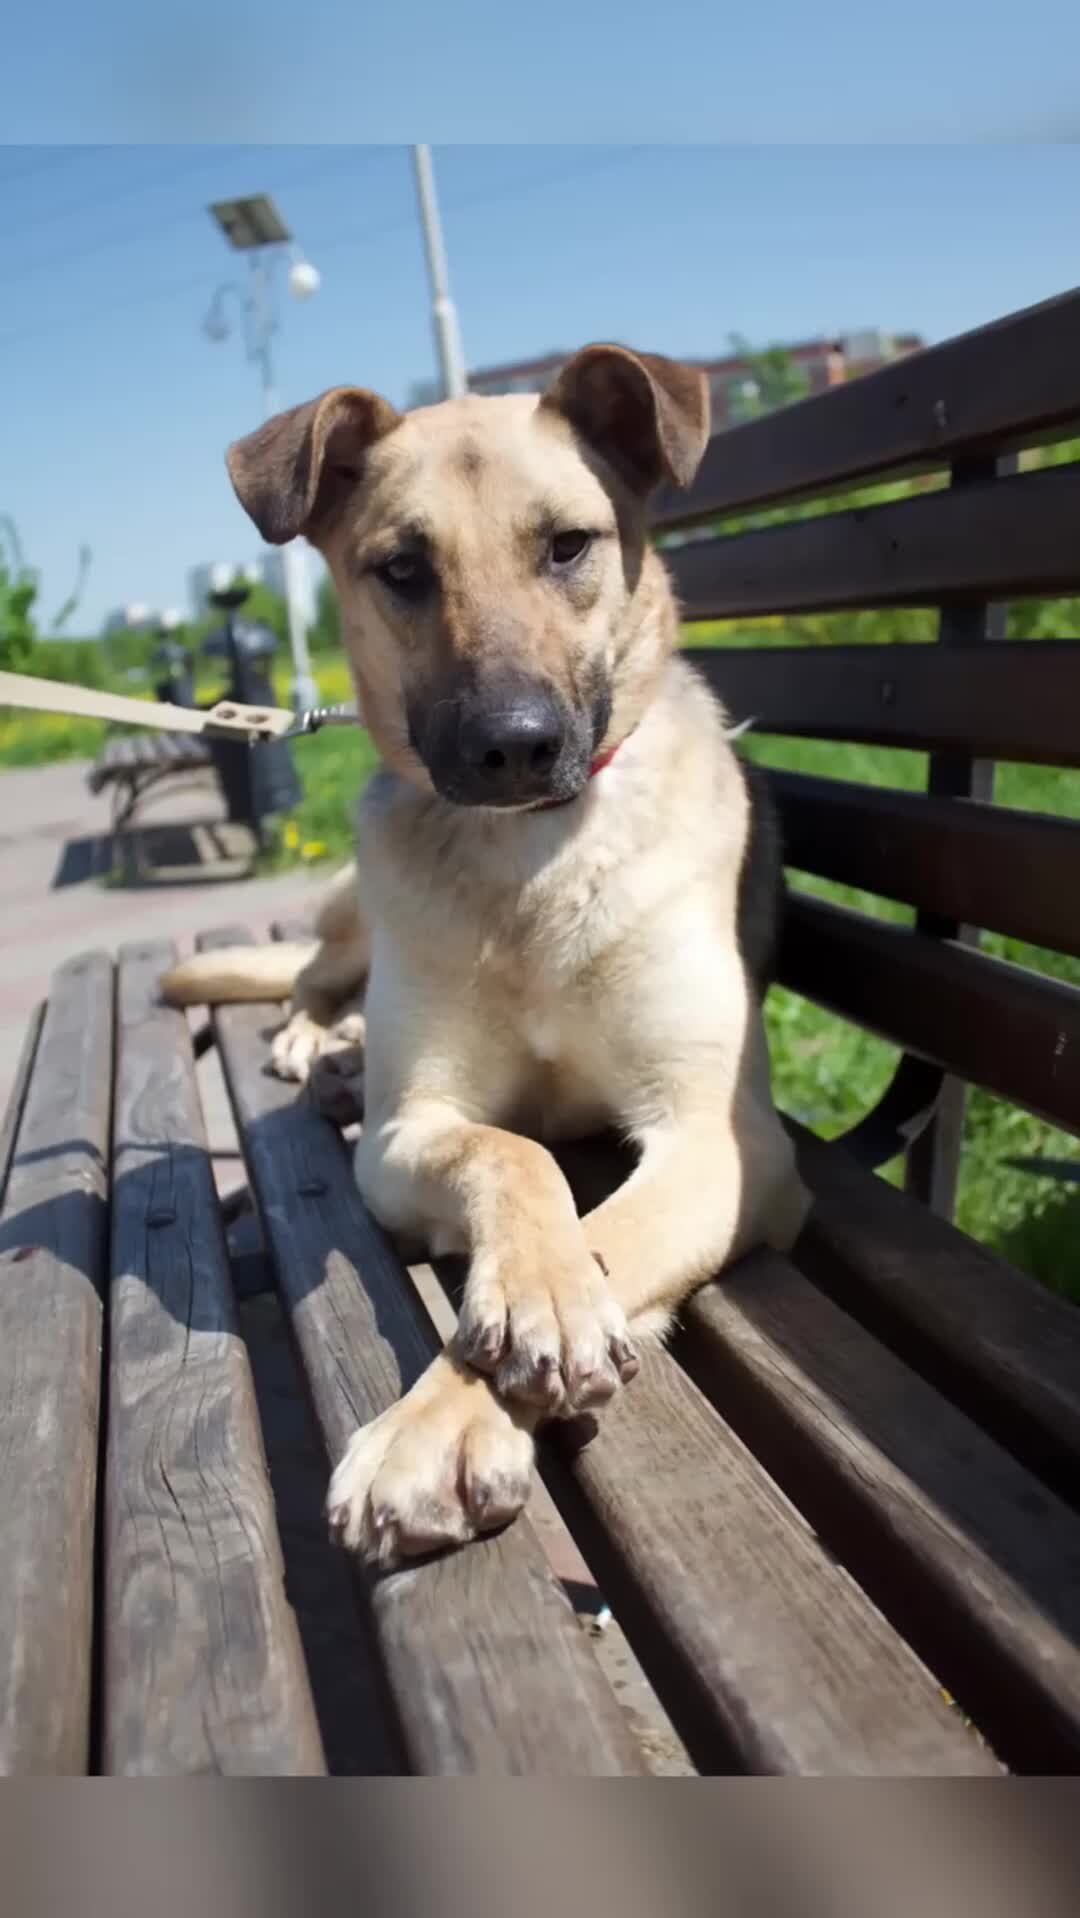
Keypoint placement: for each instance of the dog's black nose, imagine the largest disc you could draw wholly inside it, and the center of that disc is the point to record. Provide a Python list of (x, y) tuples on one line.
[(509, 752)]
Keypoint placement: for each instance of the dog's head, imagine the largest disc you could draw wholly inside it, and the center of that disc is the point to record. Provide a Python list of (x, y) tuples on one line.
[(505, 621)]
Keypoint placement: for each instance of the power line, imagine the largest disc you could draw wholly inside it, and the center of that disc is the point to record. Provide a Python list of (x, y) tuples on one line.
[(44, 165), (76, 209), (363, 236), (206, 160), (509, 191), (68, 255)]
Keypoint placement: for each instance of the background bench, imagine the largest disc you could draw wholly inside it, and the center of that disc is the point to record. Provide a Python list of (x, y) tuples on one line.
[(851, 1488), (132, 764)]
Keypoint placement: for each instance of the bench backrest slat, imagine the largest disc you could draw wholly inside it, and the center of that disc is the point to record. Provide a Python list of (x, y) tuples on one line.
[(1017, 699), (1001, 1026), (1012, 383), (1011, 538), (1012, 872)]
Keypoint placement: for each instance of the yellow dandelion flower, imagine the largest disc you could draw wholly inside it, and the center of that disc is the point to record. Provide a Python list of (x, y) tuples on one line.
[(312, 849), (291, 835)]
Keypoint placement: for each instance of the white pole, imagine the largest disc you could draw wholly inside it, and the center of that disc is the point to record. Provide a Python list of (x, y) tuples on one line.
[(443, 311), (303, 692)]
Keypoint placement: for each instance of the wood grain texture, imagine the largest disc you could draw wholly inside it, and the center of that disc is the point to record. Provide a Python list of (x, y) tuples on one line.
[(9, 1126), (974, 1561), (1016, 699), (1000, 1345), (984, 865), (996, 1024), (1011, 383), (203, 1670), (52, 1270), (1008, 539), (487, 1668), (767, 1656)]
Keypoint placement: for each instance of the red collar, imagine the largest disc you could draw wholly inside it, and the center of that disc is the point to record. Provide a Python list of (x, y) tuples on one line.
[(597, 766), (602, 760)]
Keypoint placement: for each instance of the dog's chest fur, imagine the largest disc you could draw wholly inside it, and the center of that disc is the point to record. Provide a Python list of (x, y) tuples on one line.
[(551, 938)]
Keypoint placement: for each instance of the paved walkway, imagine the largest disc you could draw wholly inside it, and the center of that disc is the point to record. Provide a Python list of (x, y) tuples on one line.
[(52, 906)]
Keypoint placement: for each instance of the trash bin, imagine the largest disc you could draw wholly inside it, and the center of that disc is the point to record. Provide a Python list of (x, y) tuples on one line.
[(260, 780)]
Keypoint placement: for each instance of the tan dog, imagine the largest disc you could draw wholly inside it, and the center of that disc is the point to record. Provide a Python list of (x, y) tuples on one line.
[(555, 919)]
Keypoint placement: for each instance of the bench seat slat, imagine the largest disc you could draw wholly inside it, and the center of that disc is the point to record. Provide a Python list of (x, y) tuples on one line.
[(488, 1669), (1012, 872), (9, 1125), (939, 1000), (1016, 699), (1007, 384), (768, 1657), (999, 1344), (203, 1668), (975, 1562), (52, 1273)]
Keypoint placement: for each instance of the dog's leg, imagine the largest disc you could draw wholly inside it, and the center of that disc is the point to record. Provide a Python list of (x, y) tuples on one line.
[(703, 1192), (537, 1314), (452, 1458), (327, 1001)]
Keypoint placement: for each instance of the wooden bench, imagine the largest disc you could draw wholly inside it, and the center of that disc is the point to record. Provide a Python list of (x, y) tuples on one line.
[(132, 764), (851, 1488)]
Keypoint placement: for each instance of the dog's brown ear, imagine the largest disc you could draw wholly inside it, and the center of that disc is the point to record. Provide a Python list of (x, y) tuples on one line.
[(648, 415), (291, 472)]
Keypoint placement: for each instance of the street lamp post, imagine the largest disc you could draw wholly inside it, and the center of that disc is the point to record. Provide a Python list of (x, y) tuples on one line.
[(255, 227), (443, 311)]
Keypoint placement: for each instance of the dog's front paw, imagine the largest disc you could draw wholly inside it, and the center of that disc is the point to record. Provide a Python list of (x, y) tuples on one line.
[(302, 1040), (445, 1464), (547, 1328), (336, 1083)]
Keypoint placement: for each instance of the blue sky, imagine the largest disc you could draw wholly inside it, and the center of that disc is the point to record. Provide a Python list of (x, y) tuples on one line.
[(115, 410), (595, 70)]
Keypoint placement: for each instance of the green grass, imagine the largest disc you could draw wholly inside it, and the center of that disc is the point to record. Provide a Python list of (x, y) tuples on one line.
[(45, 739), (829, 1073)]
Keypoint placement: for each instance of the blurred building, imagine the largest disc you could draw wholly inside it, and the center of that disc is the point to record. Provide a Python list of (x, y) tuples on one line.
[(266, 569), (133, 618), (823, 362)]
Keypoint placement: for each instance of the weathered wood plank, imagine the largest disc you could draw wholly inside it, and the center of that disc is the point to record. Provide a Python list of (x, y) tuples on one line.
[(203, 1669), (1016, 700), (9, 1127), (52, 1268), (488, 1670), (994, 1023), (983, 865), (1000, 1345), (1007, 539), (970, 1557), (767, 1656), (1007, 384)]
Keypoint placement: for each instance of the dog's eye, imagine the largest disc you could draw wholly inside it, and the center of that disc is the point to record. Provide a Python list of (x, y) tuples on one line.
[(566, 547), (406, 573)]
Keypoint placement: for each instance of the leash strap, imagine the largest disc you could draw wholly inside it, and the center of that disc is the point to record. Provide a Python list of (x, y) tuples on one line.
[(226, 720)]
